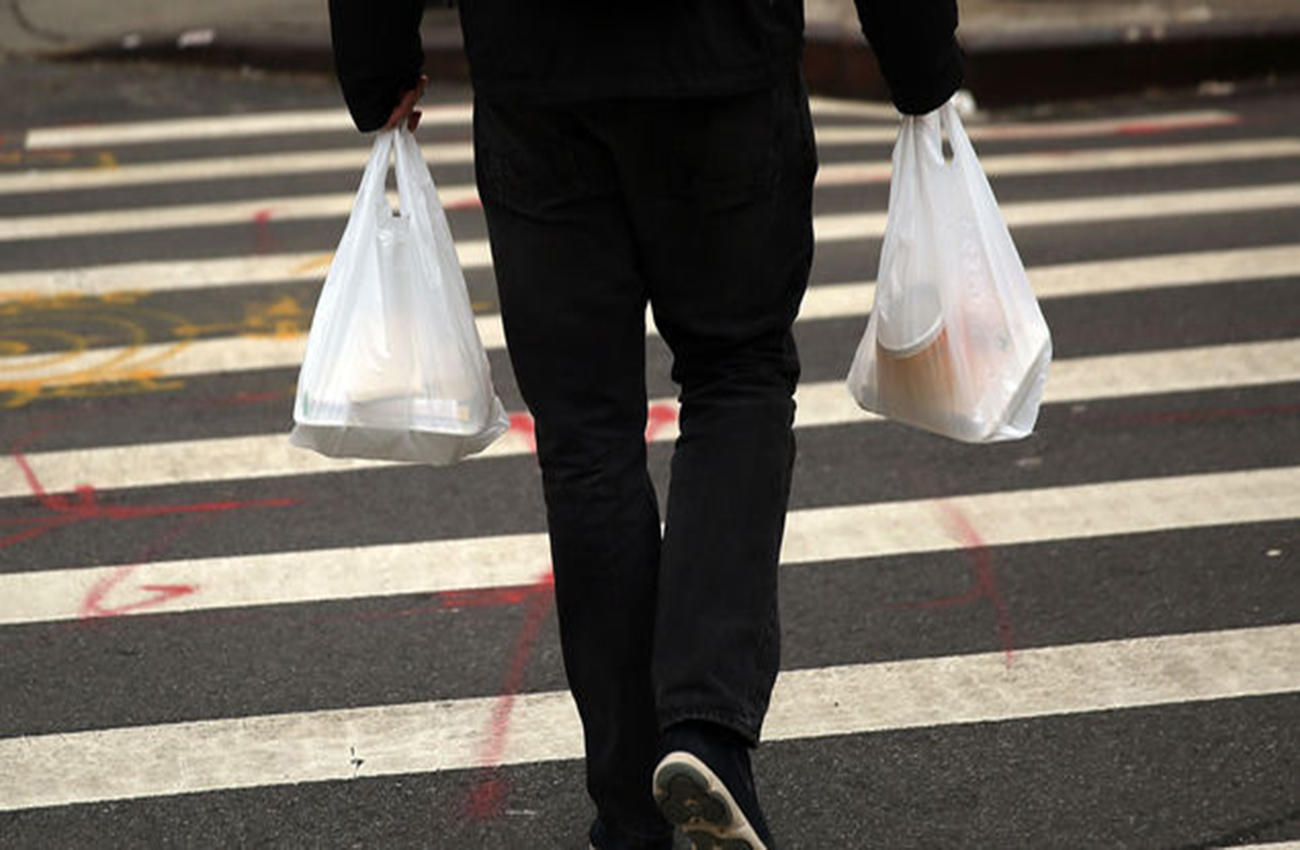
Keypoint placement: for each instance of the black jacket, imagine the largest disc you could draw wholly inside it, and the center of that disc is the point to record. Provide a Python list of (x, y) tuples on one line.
[(594, 49)]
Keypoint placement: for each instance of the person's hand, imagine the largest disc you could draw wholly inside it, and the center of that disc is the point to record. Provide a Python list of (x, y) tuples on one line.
[(405, 109)]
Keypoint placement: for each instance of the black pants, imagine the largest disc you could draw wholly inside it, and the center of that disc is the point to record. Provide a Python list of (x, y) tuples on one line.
[(703, 209)]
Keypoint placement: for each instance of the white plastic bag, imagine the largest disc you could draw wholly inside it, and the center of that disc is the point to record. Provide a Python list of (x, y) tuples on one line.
[(394, 368), (956, 343)]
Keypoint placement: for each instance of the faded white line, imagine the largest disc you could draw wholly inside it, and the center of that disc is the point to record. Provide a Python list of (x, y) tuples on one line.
[(1198, 267), (1033, 214), (414, 738), (1082, 161), (1136, 125), (222, 127), (258, 211), (304, 122), (828, 228), (200, 170), (850, 532), (829, 301), (204, 169), (819, 405)]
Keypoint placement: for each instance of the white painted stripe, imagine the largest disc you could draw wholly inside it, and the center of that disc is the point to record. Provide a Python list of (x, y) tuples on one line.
[(337, 120), (1079, 161), (1201, 267), (223, 127), (819, 405), (828, 301), (177, 359), (413, 738), (168, 275), (833, 107), (1103, 277), (141, 219), (1032, 214), (830, 174), (1026, 131), (828, 228), (824, 534), (215, 168)]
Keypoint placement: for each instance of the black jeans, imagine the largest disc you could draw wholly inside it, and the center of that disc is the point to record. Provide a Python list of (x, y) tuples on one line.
[(702, 208)]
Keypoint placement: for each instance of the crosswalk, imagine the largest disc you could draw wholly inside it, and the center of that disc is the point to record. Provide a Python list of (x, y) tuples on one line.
[(1130, 567)]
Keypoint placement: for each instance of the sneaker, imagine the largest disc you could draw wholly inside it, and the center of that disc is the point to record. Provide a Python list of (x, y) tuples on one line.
[(704, 787)]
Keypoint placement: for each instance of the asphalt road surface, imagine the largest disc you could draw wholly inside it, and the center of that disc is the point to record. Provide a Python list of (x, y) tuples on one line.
[(1088, 638)]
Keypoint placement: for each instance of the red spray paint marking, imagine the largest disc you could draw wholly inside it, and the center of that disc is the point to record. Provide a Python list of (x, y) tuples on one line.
[(92, 606), (1151, 128), (522, 423), (487, 797), (241, 399), (474, 203), (63, 511), (985, 586), (494, 597), (658, 417), (264, 241)]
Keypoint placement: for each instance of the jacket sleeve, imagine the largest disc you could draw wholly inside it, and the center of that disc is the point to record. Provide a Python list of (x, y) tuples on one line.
[(915, 42), (377, 55)]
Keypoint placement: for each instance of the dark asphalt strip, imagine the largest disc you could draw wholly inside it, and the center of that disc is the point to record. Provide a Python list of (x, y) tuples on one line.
[(840, 465), (1180, 776), (205, 191)]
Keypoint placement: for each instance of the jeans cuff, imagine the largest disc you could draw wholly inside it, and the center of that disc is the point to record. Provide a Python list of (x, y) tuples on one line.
[(743, 727)]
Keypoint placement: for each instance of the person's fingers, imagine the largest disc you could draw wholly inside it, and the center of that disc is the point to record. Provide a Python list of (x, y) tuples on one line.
[(399, 114), (405, 109)]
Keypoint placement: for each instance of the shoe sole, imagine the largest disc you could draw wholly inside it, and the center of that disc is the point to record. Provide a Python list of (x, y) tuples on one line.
[(692, 798)]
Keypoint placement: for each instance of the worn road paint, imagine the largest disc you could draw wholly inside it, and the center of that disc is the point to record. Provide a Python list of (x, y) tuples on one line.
[(825, 404), (812, 536), (303, 122), (281, 749)]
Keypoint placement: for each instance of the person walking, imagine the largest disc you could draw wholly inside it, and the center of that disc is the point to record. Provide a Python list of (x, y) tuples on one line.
[(652, 153)]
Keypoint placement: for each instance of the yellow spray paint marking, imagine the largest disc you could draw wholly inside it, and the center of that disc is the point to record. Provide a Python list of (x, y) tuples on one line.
[(71, 345), (50, 343), (315, 264), (283, 318), (37, 158)]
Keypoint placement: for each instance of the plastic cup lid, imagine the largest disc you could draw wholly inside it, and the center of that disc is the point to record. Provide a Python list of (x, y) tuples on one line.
[(912, 322)]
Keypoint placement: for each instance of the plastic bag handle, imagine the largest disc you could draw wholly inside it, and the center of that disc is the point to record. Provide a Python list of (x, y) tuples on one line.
[(371, 193), (413, 178), (951, 124)]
